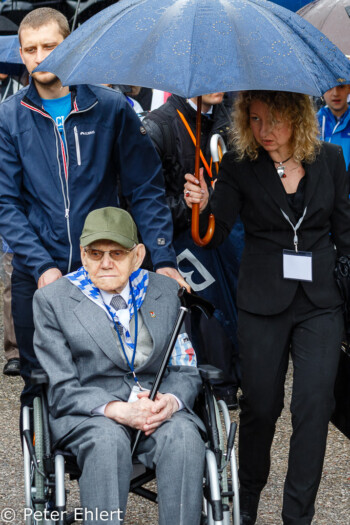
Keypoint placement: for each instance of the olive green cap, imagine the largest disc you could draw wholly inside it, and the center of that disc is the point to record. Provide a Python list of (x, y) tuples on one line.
[(112, 224)]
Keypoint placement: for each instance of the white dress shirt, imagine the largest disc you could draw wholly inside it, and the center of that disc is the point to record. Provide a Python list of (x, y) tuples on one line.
[(123, 317)]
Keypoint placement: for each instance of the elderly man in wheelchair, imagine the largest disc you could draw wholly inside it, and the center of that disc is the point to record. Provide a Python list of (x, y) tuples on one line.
[(99, 336), (105, 335)]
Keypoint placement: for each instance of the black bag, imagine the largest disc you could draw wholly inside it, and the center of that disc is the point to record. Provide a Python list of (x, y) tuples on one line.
[(341, 415), (342, 277)]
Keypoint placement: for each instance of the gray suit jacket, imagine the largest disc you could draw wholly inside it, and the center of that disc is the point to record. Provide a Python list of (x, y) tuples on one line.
[(75, 345)]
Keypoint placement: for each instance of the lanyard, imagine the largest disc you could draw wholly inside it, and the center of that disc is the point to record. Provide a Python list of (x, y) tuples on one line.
[(296, 227), (130, 365), (190, 132)]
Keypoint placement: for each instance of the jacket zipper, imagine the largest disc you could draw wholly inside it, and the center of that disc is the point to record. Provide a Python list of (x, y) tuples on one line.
[(67, 210), (77, 145), (66, 164), (59, 141), (323, 126), (334, 129)]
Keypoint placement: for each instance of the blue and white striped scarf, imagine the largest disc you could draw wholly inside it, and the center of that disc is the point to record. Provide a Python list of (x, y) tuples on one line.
[(183, 353), (138, 284)]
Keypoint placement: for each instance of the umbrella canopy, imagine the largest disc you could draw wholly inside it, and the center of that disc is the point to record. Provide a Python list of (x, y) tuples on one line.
[(7, 27), (332, 18), (89, 8), (191, 47), (10, 59), (293, 5)]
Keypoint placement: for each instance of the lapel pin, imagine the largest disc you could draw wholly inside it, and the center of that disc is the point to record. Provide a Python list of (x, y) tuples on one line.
[(152, 314)]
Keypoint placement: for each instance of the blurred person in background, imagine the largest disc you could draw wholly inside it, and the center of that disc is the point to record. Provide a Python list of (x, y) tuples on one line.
[(334, 119), (12, 365), (213, 274)]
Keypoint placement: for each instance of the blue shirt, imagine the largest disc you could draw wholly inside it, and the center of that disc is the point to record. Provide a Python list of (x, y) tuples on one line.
[(59, 109)]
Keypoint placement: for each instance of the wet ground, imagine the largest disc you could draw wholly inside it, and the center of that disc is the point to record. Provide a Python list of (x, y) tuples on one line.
[(333, 502)]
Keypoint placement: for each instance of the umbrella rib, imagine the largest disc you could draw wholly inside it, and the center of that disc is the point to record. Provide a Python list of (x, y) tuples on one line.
[(98, 34), (296, 51), (193, 47), (189, 75)]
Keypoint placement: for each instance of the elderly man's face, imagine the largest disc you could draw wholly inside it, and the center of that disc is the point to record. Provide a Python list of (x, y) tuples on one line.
[(108, 274)]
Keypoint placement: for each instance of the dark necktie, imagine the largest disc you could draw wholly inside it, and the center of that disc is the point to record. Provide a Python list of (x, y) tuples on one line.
[(118, 303)]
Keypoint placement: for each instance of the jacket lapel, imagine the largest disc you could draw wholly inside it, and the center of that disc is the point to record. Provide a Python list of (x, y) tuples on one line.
[(96, 323), (272, 184), (312, 178), (155, 315)]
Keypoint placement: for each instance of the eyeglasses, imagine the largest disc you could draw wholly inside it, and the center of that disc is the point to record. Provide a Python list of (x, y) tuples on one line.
[(116, 255)]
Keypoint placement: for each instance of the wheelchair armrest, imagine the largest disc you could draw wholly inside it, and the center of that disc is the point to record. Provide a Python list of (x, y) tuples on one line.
[(39, 377), (209, 372)]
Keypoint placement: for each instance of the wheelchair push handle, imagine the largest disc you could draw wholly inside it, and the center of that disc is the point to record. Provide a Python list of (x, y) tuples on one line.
[(192, 300), (231, 438)]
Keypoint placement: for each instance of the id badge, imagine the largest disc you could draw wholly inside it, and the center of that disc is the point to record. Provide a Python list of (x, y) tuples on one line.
[(133, 394), (297, 265)]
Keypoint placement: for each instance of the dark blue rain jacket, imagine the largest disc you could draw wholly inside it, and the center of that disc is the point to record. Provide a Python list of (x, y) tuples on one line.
[(46, 194)]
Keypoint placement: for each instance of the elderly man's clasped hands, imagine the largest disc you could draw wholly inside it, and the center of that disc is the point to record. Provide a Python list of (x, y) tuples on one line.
[(143, 414)]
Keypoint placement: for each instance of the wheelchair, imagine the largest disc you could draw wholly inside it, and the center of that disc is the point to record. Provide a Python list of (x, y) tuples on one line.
[(45, 467)]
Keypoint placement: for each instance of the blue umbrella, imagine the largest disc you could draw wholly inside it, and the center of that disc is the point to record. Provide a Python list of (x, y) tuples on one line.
[(191, 47), (10, 59)]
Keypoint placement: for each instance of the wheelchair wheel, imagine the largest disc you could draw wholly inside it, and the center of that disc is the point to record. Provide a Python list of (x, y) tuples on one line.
[(234, 471), (27, 467), (221, 494), (39, 481), (224, 476)]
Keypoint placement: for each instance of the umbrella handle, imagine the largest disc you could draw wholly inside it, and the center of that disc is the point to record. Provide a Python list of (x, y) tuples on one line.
[(195, 207), (195, 227)]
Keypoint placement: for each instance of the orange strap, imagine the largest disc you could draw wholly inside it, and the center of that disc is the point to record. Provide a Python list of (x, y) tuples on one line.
[(208, 169)]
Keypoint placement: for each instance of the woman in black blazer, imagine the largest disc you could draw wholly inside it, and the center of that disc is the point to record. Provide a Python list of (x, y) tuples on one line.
[(291, 192)]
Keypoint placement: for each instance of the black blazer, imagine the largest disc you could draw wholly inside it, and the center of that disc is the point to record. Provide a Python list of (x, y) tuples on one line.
[(254, 190)]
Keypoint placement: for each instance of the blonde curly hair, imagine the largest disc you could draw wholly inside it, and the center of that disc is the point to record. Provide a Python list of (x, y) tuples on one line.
[(294, 108)]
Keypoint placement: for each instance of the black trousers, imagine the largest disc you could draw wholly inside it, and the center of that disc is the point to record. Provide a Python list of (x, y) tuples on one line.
[(312, 336), (23, 288)]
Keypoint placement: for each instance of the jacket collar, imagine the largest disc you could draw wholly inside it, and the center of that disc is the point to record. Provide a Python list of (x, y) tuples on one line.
[(312, 171), (82, 97), (268, 178), (95, 321), (342, 122), (219, 117)]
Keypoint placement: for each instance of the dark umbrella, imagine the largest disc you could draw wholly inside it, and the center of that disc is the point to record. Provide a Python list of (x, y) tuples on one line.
[(10, 59), (85, 9), (7, 27), (332, 17), (293, 5)]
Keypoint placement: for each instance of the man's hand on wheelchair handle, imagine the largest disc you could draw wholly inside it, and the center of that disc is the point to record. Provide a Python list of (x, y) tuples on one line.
[(174, 274), (143, 414)]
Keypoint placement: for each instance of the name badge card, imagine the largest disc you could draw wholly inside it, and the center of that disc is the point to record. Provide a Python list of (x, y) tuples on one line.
[(133, 395), (297, 265)]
